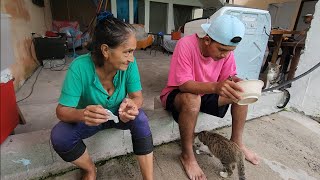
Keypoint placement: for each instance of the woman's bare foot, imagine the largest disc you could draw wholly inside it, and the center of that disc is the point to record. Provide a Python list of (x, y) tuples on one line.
[(250, 156), (192, 168)]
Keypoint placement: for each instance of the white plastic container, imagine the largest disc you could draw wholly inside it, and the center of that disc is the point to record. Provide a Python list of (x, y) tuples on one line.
[(252, 91)]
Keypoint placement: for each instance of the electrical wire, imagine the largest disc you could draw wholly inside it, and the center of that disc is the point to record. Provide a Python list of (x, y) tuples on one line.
[(296, 78), (52, 68), (294, 49), (31, 50), (34, 58), (41, 67)]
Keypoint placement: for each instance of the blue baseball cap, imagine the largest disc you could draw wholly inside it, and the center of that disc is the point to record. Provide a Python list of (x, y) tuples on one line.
[(225, 29)]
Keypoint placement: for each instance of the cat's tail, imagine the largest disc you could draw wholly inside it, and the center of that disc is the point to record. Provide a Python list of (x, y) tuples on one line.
[(240, 165)]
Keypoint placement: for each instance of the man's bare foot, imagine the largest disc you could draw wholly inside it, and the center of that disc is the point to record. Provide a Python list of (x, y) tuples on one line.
[(250, 156), (192, 168), (92, 175)]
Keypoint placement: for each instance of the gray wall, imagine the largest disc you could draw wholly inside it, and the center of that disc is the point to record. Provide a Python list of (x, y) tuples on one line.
[(281, 13), (141, 11), (158, 17), (307, 8), (305, 92)]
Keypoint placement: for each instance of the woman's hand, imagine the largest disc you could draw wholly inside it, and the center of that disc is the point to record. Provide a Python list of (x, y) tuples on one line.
[(94, 115), (128, 110)]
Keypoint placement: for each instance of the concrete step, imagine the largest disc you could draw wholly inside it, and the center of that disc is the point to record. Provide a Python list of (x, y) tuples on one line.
[(30, 155)]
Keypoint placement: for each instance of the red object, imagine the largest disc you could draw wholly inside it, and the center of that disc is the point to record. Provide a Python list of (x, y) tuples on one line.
[(57, 25), (175, 35), (51, 34), (9, 112)]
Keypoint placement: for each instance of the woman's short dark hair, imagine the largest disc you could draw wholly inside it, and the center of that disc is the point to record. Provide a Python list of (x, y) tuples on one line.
[(110, 31)]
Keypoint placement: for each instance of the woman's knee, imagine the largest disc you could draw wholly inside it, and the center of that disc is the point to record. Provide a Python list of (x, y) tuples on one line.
[(190, 102), (141, 117), (140, 127), (67, 146), (61, 137)]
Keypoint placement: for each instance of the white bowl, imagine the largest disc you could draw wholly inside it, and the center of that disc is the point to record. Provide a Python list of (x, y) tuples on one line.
[(251, 91)]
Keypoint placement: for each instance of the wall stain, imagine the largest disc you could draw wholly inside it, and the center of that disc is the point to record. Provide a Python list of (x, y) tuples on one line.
[(24, 49), (17, 9), (22, 13), (26, 64)]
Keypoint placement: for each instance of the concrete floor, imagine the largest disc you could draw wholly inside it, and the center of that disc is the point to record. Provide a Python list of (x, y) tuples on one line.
[(288, 144), (39, 108)]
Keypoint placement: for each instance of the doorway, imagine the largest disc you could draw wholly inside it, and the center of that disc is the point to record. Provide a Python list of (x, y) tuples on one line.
[(158, 17)]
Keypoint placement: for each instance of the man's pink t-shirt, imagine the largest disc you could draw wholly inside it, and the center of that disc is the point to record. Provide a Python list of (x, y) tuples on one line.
[(188, 64)]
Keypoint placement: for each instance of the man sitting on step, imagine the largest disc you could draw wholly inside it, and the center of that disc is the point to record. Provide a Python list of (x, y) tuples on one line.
[(202, 77)]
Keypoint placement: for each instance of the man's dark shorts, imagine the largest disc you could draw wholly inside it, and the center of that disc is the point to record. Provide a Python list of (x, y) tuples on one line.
[(209, 105)]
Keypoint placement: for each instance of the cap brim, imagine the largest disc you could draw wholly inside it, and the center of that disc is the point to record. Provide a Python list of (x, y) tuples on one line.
[(205, 27)]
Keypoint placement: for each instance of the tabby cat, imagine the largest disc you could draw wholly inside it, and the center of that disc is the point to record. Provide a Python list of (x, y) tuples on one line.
[(272, 74), (225, 150)]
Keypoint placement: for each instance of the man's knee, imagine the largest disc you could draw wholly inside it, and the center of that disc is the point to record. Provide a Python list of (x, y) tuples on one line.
[(189, 102), (224, 101)]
